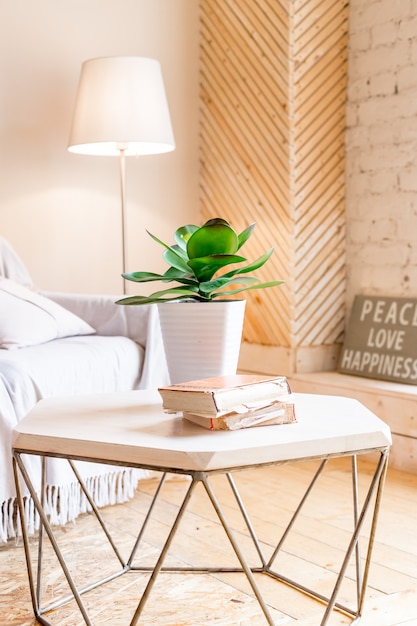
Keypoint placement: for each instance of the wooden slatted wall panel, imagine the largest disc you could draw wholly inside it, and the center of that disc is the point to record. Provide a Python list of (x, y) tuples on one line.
[(244, 143), (317, 101), (272, 81)]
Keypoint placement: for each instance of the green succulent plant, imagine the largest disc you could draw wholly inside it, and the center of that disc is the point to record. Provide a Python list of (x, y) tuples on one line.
[(199, 252)]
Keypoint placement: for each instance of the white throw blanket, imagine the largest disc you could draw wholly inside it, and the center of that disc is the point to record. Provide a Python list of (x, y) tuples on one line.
[(125, 353)]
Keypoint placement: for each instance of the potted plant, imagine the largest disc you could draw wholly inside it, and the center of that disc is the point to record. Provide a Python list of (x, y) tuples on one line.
[(198, 263)]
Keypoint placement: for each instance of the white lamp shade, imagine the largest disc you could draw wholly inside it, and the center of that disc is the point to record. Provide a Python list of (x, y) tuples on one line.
[(121, 105)]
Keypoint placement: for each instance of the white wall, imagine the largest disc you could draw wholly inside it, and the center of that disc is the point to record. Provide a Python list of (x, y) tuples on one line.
[(62, 211), (381, 146)]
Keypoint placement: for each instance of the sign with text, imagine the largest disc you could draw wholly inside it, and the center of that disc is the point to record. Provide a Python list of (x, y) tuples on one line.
[(381, 339)]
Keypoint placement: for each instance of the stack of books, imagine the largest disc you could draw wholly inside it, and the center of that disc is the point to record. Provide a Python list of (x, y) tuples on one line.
[(231, 402)]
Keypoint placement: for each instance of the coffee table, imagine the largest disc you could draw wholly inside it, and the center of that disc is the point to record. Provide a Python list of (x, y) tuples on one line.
[(130, 429)]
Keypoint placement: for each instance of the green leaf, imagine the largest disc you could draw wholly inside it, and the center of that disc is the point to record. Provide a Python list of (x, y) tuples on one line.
[(177, 250), (245, 234), (134, 300), (218, 283), (165, 245), (159, 296), (182, 235), (173, 274), (189, 291), (142, 277), (178, 258), (272, 283), (205, 267), (139, 300), (252, 266), (215, 221), (215, 237), (174, 256)]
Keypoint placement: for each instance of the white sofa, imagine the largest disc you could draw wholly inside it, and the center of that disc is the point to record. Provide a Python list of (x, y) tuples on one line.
[(121, 351)]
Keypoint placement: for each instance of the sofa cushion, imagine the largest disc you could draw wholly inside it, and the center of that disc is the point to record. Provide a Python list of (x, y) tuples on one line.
[(28, 318), (12, 266)]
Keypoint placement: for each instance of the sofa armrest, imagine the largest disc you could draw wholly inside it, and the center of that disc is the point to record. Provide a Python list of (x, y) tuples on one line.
[(139, 323), (106, 317)]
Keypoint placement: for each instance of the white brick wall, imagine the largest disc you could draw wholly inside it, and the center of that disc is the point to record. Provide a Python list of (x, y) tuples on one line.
[(381, 144)]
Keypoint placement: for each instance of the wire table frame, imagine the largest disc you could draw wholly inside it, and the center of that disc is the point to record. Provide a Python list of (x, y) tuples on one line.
[(364, 510)]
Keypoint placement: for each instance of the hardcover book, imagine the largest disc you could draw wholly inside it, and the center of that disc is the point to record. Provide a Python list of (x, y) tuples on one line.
[(276, 413), (220, 394)]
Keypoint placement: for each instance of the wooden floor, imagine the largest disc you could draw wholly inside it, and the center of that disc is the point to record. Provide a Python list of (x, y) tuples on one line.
[(311, 554)]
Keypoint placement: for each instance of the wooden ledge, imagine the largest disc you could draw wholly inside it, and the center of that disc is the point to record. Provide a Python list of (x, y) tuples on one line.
[(394, 403), (345, 381)]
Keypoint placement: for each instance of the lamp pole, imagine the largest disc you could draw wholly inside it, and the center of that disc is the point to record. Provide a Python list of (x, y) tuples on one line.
[(123, 212)]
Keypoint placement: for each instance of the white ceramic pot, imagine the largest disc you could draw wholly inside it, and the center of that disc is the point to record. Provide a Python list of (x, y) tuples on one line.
[(201, 339)]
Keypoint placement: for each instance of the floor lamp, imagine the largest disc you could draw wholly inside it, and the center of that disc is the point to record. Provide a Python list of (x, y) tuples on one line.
[(121, 110)]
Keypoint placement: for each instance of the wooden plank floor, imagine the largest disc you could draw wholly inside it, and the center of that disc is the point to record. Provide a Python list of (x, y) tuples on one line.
[(311, 555)]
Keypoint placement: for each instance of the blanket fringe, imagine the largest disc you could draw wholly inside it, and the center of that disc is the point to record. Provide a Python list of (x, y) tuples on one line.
[(64, 503), (8, 520)]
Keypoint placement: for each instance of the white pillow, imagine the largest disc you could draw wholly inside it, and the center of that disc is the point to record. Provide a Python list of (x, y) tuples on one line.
[(27, 318)]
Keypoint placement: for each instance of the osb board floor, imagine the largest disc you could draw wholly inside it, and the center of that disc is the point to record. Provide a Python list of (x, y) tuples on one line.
[(311, 555)]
